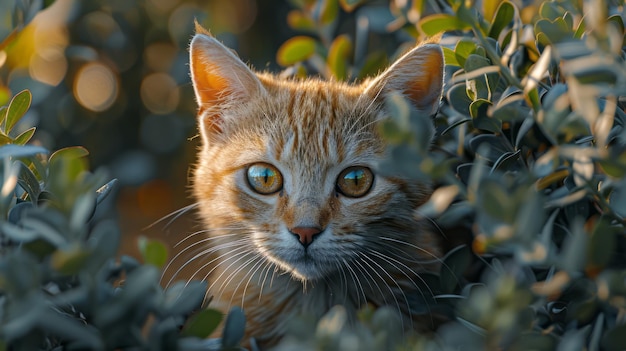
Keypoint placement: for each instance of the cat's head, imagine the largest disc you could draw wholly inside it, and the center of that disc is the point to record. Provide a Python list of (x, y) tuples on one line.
[(287, 171)]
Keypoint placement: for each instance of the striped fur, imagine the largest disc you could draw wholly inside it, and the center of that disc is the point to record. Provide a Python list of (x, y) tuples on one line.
[(371, 248)]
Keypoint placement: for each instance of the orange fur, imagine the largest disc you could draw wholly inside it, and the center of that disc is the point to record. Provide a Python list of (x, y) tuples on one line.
[(371, 249)]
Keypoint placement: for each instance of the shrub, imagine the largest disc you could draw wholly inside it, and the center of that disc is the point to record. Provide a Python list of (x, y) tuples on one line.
[(529, 156)]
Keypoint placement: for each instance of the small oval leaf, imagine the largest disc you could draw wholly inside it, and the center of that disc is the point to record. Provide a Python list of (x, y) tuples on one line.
[(203, 323), (17, 108), (338, 56), (437, 23), (153, 252), (295, 50)]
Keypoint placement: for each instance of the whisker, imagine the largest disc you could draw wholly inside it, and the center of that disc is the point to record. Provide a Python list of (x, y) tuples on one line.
[(268, 265), (204, 253), (391, 260), (406, 300), (436, 259), (356, 281), (173, 216)]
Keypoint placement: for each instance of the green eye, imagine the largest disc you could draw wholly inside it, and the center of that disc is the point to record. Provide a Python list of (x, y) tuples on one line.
[(355, 181), (264, 178)]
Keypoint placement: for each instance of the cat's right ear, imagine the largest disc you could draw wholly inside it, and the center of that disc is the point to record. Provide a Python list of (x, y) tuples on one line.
[(220, 79)]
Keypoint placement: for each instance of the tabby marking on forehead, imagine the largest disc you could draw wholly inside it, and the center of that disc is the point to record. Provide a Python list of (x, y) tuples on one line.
[(296, 217)]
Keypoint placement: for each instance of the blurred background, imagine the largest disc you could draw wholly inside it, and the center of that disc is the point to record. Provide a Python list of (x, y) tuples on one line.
[(112, 76)]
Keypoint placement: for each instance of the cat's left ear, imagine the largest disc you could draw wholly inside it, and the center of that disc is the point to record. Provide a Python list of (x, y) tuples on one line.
[(220, 79), (418, 75)]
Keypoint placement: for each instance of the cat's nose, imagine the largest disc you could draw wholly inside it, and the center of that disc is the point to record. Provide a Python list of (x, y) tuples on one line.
[(305, 234)]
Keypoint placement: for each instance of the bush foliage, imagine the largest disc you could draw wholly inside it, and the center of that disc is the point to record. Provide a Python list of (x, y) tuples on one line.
[(530, 158)]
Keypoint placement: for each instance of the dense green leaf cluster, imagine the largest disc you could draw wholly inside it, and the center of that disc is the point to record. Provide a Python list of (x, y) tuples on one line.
[(529, 158), (62, 286)]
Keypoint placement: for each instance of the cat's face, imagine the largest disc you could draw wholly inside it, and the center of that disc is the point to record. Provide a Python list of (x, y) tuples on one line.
[(288, 172)]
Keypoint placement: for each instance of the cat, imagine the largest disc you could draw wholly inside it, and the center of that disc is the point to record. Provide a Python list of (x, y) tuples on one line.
[(297, 217)]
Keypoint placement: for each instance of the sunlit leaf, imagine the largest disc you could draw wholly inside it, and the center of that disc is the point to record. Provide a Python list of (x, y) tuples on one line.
[(480, 119), (25, 136), (4, 139), (463, 49), (504, 15), (69, 152), (338, 55), (17, 108), (553, 31), (550, 10), (298, 20), (490, 8), (450, 57), (437, 23), (295, 50)]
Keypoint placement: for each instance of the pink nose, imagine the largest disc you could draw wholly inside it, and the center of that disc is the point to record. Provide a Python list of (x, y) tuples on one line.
[(305, 234)]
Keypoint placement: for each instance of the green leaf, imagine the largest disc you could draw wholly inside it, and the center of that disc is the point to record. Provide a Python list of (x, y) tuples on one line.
[(4, 139), (554, 31), (72, 152), (463, 49), (450, 58), (338, 56), (551, 10), (3, 114), (17, 108), (25, 137), (504, 15), (298, 20), (203, 323), (295, 50), (437, 23), (490, 8), (153, 252)]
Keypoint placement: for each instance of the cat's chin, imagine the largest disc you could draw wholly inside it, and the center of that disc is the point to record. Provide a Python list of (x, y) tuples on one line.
[(303, 269)]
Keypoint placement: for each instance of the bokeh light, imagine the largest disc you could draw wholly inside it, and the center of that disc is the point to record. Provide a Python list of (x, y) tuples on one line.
[(113, 76), (96, 87), (160, 56), (160, 93)]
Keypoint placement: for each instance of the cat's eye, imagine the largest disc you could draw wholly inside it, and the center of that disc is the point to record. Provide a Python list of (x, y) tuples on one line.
[(355, 181), (264, 178)]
